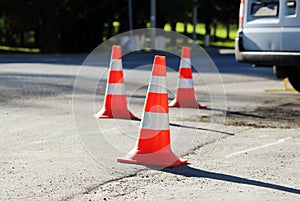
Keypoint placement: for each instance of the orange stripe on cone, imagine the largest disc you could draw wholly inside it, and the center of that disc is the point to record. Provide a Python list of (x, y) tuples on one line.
[(153, 145), (115, 103), (115, 76), (185, 73), (157, 103), (185, 94), (158, 66), (116, 52)]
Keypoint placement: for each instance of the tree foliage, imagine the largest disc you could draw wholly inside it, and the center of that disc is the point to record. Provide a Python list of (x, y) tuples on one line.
[(80, 25)]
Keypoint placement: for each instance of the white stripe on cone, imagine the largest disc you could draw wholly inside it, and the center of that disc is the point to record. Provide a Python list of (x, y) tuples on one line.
[(185, 83), (185, 63), (158, 85), (117, 89), (116, 64), (155, 121)]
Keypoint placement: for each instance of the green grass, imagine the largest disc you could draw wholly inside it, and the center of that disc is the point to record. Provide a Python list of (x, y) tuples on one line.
[(19, 49), (200, 30)]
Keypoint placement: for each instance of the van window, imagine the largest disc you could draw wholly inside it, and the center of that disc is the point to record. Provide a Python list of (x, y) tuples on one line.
[(265, 8)]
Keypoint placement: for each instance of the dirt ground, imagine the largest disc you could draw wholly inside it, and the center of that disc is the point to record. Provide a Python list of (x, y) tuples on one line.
[(280, 116)]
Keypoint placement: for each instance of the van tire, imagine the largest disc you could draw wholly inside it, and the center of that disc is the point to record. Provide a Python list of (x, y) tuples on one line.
[(294, 78), (280, 72)]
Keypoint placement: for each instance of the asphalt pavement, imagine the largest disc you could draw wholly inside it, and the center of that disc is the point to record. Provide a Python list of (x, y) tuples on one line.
[(245, 146)]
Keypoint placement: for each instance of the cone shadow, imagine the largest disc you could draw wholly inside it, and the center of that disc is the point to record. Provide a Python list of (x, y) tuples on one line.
[(234, 113), (196, 128), (188, 171), (199, 128)]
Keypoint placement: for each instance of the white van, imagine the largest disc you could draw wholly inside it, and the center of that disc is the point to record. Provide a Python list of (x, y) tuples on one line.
[(269, 35)]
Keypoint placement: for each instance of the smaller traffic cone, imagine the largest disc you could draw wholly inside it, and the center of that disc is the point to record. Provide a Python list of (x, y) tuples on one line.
[(185, 94), (115, 104), (153, 146)]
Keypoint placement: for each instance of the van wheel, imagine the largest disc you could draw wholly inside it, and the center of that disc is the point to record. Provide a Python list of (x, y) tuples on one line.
[(294, 78), (280, 71)]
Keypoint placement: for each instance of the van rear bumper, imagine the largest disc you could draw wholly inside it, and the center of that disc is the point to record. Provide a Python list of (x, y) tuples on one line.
[(265, 58)]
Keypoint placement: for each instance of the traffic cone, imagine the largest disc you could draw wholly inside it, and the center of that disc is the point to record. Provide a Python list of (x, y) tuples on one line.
[(153, 146), (115, 104), (185, 95)]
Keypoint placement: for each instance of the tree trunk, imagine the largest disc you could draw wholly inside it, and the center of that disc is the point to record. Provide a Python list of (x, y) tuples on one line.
[(185, 28), (173, 39), (110, 31), (227, 30), (215, 32), (207, 27), (22, 39), (37, 36), (173, 26), (207, 33), (48, 31)]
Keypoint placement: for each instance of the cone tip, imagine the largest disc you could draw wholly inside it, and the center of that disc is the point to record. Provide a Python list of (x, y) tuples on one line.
[(186, 52), (159, 66), (116, 52)]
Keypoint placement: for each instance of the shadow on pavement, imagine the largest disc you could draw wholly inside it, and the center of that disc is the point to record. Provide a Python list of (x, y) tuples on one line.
[(188, 171), (234, 113), (226, 64), (192, 127), (198, 128), (59, 59)]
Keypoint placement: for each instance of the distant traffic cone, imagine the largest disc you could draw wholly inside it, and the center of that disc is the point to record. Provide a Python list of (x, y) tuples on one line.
[(115, 104), (185, 95), (153, 146)]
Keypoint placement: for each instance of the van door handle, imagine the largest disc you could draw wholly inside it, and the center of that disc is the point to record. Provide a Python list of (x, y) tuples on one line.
[(291, 4)]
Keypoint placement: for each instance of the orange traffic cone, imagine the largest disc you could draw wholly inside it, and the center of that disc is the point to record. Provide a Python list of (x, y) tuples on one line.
[(153, 146), (115, 104), (185, 95)]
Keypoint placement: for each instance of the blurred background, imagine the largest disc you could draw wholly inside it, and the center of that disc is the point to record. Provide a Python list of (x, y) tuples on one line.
[(70, 26)]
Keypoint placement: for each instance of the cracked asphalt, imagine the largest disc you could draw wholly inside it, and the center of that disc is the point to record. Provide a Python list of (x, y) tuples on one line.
[(244, 149)]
